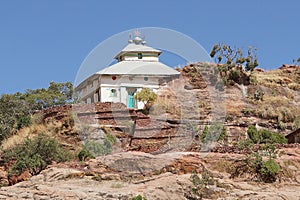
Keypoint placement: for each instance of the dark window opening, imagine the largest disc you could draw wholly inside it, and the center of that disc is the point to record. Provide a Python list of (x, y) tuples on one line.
[(140, 56), (113, 93)]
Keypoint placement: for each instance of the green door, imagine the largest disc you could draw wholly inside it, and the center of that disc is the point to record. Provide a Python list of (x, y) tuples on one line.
[(130, 100)]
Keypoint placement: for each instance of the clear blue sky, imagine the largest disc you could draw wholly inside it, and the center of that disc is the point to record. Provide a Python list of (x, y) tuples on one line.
[(47, 40)]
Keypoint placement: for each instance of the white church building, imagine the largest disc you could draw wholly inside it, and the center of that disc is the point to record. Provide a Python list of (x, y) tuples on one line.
[(137, 67)]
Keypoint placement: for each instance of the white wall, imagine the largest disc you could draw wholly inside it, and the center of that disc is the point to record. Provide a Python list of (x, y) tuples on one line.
[(106, 94), (106, 84), (148, 58), (126, 80)]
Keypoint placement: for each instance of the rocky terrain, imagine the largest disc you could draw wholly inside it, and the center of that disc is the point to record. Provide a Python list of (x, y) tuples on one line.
[(164, 176), (158, 158)]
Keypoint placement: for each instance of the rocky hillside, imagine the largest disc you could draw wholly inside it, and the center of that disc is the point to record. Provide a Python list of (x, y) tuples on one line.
[(159, 155)]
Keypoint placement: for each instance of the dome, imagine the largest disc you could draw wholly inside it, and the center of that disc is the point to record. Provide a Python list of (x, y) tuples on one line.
[(137, 40)]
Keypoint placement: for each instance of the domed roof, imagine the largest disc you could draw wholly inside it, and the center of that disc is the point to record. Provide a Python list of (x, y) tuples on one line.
[(138, 68), (137, 45)]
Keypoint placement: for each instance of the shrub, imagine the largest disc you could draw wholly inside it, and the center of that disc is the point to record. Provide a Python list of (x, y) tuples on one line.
[(139, 197), (215, 132), (23, 121), (272, 137), (35, 154), (253, 134), (84, 154), (234, 75), (111, 138), (265, 136), (269, 170), (204, 133), (259, 95), (98, 149), (278, 138), (245, 144), (254, 164), (199, 189)]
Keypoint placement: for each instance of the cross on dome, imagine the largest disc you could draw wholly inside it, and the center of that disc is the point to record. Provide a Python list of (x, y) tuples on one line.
[(137, 33)]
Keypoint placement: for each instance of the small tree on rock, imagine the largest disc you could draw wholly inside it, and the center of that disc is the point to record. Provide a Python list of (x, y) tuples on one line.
[(233, 57), (147, 97)]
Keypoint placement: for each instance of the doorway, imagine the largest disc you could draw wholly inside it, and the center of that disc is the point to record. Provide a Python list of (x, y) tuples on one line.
[(130, 97)]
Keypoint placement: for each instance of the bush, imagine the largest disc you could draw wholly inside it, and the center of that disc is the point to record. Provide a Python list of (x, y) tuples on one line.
[(199, 189), (235, 76), (204, 133), (253, 134), (215, 132), (139, 197), (265, 136), (266, 171), (245, 144), (98, 149), (23, 121), (84, 154), (278, 138), (269, 171), (259, 95), (35, 154)]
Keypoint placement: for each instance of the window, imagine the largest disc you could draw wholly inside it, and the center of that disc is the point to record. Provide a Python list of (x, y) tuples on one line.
[(113, 93), (140, 56)]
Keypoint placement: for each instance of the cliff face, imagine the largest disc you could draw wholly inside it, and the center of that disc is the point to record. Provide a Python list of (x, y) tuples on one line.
[(270, 100)]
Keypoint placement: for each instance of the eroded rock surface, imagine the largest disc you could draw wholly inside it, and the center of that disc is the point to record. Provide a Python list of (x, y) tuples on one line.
[(163, 176)]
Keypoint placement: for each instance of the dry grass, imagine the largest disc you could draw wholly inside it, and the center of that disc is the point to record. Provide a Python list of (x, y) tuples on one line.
[(279, 104), (294, 86), (52, 128), (21, 135), (277, 101), (222, 165), (272, 79), (169, 106)]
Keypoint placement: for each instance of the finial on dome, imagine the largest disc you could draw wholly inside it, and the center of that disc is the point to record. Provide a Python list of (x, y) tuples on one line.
[(130, 40), (137, 33), (137, 39), (143, 41)]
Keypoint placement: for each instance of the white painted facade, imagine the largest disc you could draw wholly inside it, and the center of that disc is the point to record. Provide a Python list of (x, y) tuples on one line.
[(138, 67)]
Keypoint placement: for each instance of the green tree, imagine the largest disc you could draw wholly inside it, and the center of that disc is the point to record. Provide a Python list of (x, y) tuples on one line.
[(14, 114), (16, 109), (147, 97), (55, 94)]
